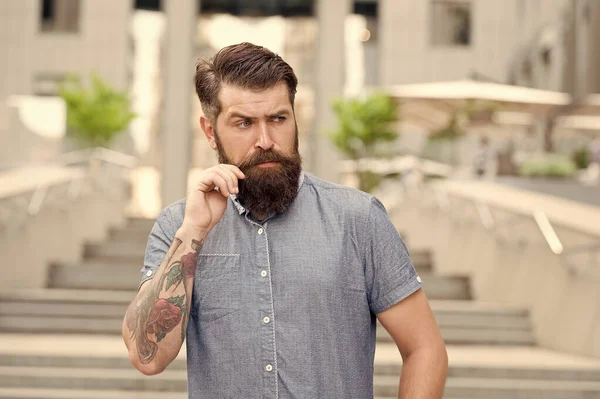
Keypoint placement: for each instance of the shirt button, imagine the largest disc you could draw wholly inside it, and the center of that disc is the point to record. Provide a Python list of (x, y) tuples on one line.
[(419, 279), (260, 231), (263, 273), (269, 367), (266, 320), (149, 273)]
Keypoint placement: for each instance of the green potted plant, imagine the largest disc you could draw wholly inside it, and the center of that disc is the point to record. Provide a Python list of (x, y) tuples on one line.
[(95, 115), (582, 157), (363, 124)]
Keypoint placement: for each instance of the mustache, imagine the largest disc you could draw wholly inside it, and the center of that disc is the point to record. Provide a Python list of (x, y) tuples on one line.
[(263, 156)]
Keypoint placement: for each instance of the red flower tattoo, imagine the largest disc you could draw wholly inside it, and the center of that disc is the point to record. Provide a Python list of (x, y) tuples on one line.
[(188, 263), (164, 317)]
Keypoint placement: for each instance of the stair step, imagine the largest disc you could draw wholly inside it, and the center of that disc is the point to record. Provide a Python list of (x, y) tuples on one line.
[(91, 378), (108, 352), (502, 372), (99, 274), (498, 388), (470, 322), (97, 325), (122, 245), (122, 272), (60, 325), (45, 393), (63, 361), (460, 336), (111, 248), (140, 223), (135, 236), (384, 386), (422, 261), (446, 287), (102, 311)]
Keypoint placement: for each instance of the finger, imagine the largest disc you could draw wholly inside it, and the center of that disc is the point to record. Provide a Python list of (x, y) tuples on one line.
[(230, 178), (236, 170), (222, 184), (209, 180)]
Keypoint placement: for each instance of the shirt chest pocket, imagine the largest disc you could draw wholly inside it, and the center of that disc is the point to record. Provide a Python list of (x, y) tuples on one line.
[(217, 286)]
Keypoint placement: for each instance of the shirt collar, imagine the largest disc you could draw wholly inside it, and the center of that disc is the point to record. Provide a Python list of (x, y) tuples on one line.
[(240, 208)]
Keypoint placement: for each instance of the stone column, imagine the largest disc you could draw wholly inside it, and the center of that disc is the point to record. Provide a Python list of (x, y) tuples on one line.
[(324, 159), (581, 28), (178, 75)]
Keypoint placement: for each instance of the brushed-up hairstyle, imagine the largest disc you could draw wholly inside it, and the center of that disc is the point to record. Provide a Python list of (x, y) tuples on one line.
[(245, 65)]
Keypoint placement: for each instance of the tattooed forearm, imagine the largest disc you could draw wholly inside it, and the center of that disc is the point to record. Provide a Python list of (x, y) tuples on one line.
[(165, 303)]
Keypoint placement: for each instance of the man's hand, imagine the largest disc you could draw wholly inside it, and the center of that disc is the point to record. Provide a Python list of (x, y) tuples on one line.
[(205, 205)]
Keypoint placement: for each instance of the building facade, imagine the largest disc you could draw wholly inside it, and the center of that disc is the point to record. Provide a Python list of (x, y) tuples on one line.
[(44, 40)]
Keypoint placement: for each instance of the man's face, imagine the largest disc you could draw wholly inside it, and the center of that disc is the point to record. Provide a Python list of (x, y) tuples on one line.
[(257, 132)]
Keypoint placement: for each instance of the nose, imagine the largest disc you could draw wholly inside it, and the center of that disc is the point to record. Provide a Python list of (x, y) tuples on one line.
[(264, 140)]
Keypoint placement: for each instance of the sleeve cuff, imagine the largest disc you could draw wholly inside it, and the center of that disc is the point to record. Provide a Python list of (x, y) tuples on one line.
[(397, 295)]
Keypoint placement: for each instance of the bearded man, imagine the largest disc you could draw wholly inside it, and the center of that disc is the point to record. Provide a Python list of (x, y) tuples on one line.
[(275, 277)]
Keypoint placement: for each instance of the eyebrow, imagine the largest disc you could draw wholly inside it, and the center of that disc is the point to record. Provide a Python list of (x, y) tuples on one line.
[(283, 112), (238, 115)]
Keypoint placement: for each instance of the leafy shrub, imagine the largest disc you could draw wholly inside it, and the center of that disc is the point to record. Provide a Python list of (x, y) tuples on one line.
[(362, 125), (582, 157), (548, 165), (95, 116)]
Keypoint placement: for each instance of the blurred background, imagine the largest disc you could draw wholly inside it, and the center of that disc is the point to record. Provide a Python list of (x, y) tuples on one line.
[(476, 122)]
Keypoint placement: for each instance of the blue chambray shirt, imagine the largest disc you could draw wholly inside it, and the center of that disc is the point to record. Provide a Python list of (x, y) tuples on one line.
[(286, 308)]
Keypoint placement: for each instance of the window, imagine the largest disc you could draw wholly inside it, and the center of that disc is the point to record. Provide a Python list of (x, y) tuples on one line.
[(367, 8), (451, 22), (59, 16), (286, 8), (152, 5), (46, 84), (546, 56)]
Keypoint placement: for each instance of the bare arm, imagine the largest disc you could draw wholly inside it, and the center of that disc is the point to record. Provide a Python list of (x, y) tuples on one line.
[(156, 321), (417, 335)]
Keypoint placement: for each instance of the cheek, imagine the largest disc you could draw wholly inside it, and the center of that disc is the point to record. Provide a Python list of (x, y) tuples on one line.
[(286, 138), (239, 150)]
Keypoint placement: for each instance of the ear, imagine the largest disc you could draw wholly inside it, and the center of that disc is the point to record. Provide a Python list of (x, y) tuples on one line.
[(209, 132)]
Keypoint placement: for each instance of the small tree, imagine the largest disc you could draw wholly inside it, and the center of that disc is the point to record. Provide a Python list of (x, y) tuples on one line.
[(362, 125), (95, 116)]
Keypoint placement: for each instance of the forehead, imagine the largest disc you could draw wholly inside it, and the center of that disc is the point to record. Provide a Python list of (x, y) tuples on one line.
[(238, 99)]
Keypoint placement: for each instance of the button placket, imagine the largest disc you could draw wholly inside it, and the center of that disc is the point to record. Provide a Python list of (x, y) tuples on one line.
[(268, 344)]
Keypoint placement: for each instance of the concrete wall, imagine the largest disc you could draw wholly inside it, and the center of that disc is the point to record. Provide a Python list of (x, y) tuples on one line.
[(512, 262), (570, 31), (102, 45), (30, 243), (593, 49), (408, 56)]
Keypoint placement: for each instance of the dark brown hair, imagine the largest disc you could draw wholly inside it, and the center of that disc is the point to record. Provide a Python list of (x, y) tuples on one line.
[(245, 65)]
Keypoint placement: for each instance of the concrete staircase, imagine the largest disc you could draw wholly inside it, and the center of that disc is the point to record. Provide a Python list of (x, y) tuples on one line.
[(63, 342)]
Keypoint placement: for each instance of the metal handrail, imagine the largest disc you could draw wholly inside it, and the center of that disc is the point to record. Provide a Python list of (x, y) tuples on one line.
[(99, 153), (548, 232), (542, 222), (76, 184)]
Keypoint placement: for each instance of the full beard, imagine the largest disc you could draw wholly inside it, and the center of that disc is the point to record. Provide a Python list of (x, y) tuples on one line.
[(267, 190)]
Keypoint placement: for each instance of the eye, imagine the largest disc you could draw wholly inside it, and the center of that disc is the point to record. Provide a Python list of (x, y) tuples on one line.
[(278, 118), (244, 124)]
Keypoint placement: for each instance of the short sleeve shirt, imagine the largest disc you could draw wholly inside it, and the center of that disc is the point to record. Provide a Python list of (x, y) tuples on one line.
[(285, 308)]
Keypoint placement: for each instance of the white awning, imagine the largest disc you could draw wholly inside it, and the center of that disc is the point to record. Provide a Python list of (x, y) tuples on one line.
[(589, 106), (447, 96)]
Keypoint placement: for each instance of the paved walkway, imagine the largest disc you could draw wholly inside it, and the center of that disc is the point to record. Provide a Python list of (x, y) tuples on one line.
[(559, 188)]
